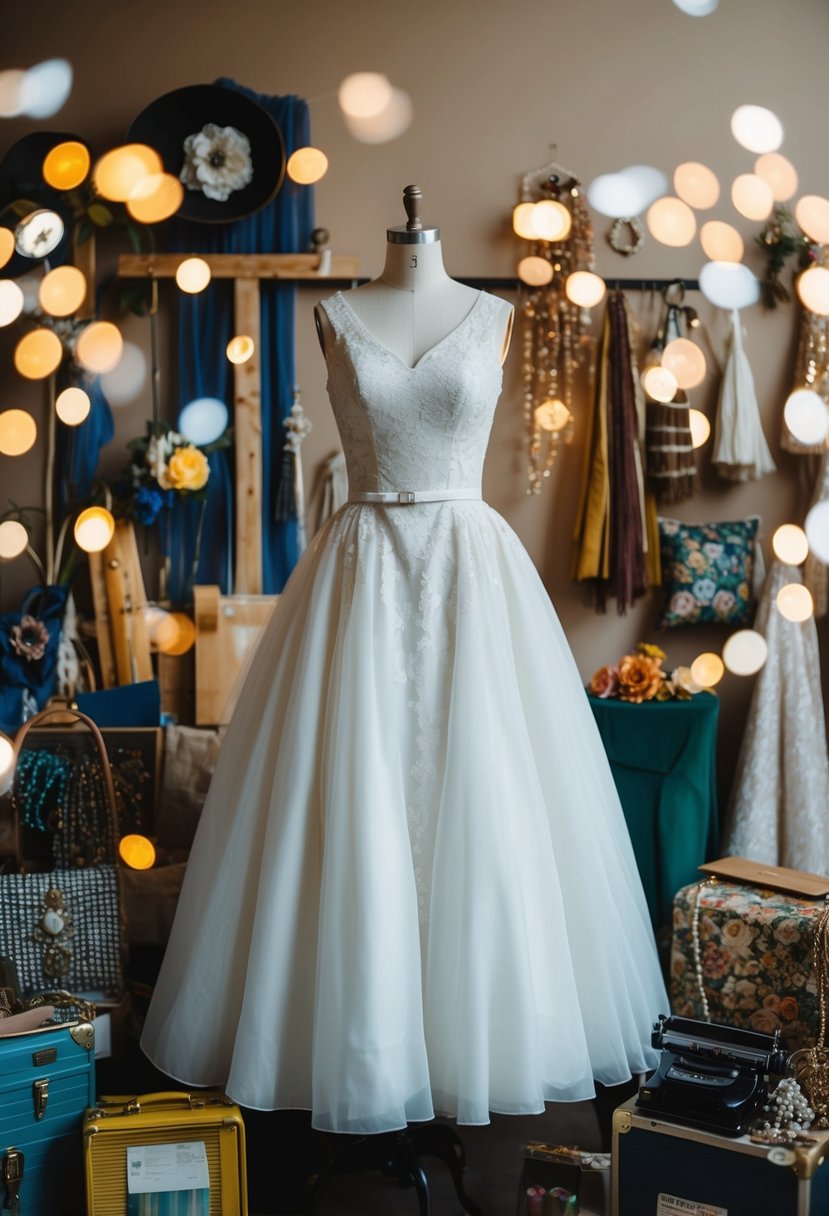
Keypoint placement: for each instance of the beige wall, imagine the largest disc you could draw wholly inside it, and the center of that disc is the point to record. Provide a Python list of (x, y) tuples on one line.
[(493, 85)]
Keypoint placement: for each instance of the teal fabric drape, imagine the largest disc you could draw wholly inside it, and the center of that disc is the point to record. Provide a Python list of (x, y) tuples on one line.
[(663, 758), (205, 327)]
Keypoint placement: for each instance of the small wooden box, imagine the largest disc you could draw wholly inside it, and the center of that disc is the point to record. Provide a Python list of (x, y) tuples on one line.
[(228, 628), (665, 1169)]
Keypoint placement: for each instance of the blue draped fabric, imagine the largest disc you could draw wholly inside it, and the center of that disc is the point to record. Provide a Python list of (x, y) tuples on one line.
[(79, 447), (205, 328)]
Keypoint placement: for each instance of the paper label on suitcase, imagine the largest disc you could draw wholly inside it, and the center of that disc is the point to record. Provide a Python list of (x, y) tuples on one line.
[(168, 1180), (672, 1205)]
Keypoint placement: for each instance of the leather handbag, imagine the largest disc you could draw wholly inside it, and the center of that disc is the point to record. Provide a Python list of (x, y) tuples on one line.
[(63, 926)]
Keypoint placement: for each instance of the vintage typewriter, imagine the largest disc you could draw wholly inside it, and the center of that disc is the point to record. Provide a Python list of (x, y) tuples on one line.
[(710, 1076)]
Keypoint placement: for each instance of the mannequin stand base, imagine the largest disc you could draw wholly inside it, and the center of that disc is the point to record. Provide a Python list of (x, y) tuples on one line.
[(397, 1155)]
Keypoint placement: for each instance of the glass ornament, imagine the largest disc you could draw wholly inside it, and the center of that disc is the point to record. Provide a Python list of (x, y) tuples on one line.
[(38, 354), (193, 275), (745, 652), (535, 272), (699, 427), (729, 285), (39, 234), (696, 185), (11, 301), (584, 288), (137, 852), (13, 539), (155, 198), (62, 291), (687, 362), (752, 196), (806, 416), (306, 166), (707, 669), (94, 529), (790, 544), (202, 421), (812, 214), (671, 222), (66, 165), (659, 384), (756, 129), (18, 432), (240, 348), (721, 242), (817, 530), (778, 173), (73, 406), (813, 289), (794, 602), (99, 347)]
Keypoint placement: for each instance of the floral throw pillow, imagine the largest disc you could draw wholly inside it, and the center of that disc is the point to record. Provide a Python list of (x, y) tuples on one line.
[(708, 572)]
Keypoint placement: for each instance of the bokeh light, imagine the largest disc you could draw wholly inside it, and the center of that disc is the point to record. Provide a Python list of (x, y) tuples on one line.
[(745, 652), (696, 185), (73, 406), (94, 529), (38, 354), (18, 432), (671, 222), (790, 544), (721, 242), (707, 669), (795, 602)]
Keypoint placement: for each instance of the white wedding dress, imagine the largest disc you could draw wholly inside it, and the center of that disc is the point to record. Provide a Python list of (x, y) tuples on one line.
[(412, 889)]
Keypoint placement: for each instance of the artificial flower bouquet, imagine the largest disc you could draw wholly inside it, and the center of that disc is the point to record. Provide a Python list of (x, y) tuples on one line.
[(164, 465), (639, 677)]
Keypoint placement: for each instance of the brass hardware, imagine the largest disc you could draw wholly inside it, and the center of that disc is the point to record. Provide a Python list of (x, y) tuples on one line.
[(13, 1162), (41, 1097), (622, 1121), (83, 1034)]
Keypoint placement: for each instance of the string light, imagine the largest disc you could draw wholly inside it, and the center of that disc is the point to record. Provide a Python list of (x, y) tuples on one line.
[(812, 214), (240, 348), (13, 541), (699, 427), (790, 544), (721, 242), (11, 301), (707, 669), (18, 432), (73, 406), (671, 222), (62, 291), (757, 129), (779, 174), (38, 354), (306, 166), (193, 275), (729, 285), (813, 289), (660, 384), (745, 652), (696, 185), (94, 529), (752, 196), (584, 288), (155, 198), (795, 603), (686, 361), (119, 173), (99, 347), (806, 416), (137, 852), (66, 165)]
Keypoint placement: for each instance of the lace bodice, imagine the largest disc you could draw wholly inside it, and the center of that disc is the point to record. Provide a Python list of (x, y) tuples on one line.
[(415, 428)]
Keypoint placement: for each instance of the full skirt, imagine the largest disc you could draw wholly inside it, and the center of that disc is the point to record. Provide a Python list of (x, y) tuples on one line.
[(412, 889)]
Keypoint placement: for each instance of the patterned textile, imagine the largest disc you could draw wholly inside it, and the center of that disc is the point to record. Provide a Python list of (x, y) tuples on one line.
[(708, 572), (85, 940), (755, 951)]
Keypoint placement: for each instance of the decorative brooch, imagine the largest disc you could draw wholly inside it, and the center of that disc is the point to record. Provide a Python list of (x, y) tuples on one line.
[(29, 638), (54, 931)]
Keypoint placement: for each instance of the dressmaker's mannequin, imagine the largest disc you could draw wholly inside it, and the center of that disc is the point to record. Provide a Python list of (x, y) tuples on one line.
[(414, 304)]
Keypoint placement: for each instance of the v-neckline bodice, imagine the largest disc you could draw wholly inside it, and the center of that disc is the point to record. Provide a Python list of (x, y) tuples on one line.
[(413, 367)]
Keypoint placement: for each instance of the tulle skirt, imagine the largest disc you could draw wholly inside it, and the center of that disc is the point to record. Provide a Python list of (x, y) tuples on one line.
[(412, 890)]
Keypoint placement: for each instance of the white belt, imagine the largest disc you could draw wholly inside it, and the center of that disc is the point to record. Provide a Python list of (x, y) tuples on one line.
[(405, 498)]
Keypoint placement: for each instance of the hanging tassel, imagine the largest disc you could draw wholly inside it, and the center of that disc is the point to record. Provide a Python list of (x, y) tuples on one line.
[(672, 468), (740, 449), (285, 505)]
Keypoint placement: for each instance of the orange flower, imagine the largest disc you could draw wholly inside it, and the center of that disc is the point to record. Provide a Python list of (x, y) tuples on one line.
[(605, 682), (640, 678), (788, 1008)]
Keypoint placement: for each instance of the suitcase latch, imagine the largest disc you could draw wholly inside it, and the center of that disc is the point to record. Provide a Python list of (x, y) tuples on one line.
[(13, 1161), (41, 1095)]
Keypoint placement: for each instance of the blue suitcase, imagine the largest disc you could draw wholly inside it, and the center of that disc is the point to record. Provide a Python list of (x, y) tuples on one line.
[(47, 1079)]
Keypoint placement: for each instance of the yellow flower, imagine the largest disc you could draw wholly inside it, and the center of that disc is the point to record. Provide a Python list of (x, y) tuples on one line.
[(187, 469), (653, 652)]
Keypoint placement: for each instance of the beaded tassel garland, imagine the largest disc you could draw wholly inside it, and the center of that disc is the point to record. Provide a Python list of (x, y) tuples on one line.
[(556, 340)]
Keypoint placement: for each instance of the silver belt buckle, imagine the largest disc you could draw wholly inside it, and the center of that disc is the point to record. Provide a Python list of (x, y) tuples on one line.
[(406, 497)]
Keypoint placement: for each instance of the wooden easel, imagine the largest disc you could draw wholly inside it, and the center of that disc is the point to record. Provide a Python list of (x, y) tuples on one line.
[(247, 270)]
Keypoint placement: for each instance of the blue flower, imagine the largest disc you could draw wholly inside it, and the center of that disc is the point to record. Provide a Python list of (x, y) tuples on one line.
[(148, 503)]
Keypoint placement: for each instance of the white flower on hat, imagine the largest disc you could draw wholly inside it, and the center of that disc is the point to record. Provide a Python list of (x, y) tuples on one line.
[(217, 161)]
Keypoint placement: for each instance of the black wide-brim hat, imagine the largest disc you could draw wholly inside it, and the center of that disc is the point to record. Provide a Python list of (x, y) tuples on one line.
[(21, 178), (167, 121)]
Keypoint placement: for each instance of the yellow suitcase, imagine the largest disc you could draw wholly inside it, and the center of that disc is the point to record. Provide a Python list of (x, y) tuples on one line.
[(118, 1124)]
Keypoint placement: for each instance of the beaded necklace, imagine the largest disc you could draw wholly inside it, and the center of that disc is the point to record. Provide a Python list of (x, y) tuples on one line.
[(41, 778)]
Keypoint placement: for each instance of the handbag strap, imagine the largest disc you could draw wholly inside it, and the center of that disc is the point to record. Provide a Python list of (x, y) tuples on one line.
[(37, 720)]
